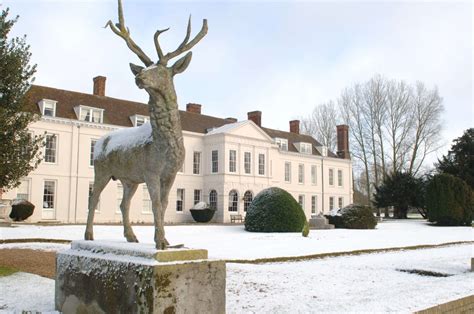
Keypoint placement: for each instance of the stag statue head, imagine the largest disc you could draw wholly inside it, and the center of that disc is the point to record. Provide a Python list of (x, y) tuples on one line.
[(157, 76)]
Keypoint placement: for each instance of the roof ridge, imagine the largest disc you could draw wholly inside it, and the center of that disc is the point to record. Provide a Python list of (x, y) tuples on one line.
[(113, 98), (288, 132), (204, 115), (89, 95)]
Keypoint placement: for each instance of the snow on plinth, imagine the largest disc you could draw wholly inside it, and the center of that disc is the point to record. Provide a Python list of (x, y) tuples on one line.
[(139, 250)]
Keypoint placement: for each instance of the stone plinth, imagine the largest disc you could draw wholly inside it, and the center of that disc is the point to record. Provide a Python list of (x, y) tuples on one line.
[(114, 277), (319, 222), (5, 210)]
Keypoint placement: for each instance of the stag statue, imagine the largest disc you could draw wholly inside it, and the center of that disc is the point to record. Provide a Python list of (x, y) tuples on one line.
[(154, 152)]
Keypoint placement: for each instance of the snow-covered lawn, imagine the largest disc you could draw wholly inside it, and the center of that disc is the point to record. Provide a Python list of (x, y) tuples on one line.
[(364, 283), (26, 292), (369, 282), (233, 242)]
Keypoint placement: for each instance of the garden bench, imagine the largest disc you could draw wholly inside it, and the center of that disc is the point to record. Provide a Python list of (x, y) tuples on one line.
[(236, 218)]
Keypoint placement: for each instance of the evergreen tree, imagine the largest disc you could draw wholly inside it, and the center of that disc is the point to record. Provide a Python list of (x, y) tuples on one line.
[(460, 159), (449, 201), (18, 148), (402, 191)]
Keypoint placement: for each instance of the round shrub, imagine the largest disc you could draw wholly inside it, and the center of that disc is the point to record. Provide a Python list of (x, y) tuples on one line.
[(359, 217), (21, 210), (353, 217), (449, 201), (274, 210)]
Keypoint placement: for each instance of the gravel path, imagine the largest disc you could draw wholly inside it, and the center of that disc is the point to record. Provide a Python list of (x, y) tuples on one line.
[(42, 263)]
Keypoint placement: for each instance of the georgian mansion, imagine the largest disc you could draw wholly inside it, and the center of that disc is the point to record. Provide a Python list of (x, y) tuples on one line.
[(227, 162)]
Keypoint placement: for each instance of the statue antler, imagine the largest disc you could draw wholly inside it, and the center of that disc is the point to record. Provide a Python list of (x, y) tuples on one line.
[(184, 46), (124, 32), (121, 30)]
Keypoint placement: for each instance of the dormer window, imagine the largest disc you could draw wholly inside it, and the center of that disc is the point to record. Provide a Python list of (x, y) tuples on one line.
[(90, 114), (305, 148), (323, 150), (48, 107), (282, 143), (138, 120)]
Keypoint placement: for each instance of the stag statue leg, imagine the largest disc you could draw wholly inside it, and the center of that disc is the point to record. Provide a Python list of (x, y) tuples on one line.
[(155, 195), (129, 190), (99, 184), (165, 189)]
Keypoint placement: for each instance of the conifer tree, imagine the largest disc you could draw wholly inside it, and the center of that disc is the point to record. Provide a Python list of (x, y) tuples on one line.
[(460, 160), (19, 149), (402, 191)]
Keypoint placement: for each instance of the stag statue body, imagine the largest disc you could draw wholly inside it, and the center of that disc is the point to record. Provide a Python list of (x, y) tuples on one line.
[(152, 153)]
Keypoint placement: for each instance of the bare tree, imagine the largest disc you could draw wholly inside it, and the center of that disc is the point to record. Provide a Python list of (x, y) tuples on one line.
[(399, 122), (375, 96), (321, 124), (351, 108), (393, 127), (426, 108)]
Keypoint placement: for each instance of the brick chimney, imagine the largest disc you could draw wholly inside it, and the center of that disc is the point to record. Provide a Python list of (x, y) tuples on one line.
[(295, 126), (99, 85), (255, 116), (194, 108), (343, 141)]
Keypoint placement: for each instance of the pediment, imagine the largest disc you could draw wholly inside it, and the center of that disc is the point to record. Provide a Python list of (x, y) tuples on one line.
[(243, 128)]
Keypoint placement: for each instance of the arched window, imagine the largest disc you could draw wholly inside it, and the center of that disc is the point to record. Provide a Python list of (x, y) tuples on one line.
[(248, 197), (233, 201), (213, 199)]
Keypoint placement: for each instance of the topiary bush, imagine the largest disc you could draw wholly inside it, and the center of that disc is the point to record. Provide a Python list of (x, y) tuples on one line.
[(449, 201), (274, 210), (353, 217), (21, 210)]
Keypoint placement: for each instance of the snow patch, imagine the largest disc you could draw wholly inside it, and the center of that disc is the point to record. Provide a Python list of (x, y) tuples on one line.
[(201, 205), (153, 66), (340, 284), (351, 284), (23, 292), (335, 212), (227, 127), (251, 245), (19, 201), (123, 139)]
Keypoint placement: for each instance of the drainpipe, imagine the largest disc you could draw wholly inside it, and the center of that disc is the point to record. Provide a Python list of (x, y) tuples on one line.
[(322, 182), (77, 171), (70, 178)]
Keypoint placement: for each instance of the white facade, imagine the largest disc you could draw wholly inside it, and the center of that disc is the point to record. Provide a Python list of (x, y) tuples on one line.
[(248, 160)]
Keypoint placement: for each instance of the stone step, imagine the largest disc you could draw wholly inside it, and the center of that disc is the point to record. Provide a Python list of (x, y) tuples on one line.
[(319, 222), (49, 222)]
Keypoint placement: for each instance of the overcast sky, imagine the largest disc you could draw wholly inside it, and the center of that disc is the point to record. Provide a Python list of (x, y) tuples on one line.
[(280, 57)]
